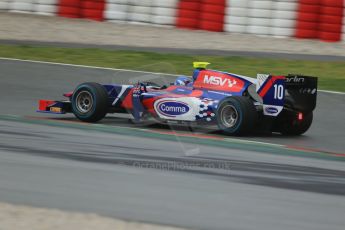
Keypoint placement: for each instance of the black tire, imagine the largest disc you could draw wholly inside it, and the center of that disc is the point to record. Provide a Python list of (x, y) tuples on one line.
[(243, 116), (294, 127), (90, 102)]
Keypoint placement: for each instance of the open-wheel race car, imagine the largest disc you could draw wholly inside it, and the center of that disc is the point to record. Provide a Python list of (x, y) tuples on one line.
[(237, 104)]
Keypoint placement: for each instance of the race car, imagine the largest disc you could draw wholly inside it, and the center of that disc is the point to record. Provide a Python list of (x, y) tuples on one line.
[(237, 105)]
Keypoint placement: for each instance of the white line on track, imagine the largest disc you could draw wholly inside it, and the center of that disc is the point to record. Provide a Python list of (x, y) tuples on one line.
[(86, 66), (252, 142), (333, 92), (123, 70)]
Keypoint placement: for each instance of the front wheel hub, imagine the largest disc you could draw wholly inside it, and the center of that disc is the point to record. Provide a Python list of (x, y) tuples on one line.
[(84, 102)]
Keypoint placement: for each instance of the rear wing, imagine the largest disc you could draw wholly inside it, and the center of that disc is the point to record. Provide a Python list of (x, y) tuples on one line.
[(301, 92), (296, 92)]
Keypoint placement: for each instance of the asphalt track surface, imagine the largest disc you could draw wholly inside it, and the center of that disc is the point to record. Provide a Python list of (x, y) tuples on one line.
[(59, 163)]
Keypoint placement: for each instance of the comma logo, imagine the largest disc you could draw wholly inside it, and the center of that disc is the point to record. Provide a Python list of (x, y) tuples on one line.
[(271, 110), (172, 108), (175, 109)]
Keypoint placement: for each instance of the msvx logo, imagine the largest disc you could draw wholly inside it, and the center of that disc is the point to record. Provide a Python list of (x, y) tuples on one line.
[(172, 108), (219, 81)]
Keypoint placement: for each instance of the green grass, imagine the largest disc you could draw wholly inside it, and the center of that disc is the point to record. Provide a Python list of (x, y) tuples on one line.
[(331, 73)]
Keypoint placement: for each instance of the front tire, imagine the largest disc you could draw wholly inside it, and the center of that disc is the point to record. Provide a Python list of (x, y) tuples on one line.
[(90, 102), (236, 116)]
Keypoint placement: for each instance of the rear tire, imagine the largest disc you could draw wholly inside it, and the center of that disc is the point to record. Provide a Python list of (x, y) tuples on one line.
[(236, 115), (90, 102), (296, 127)]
